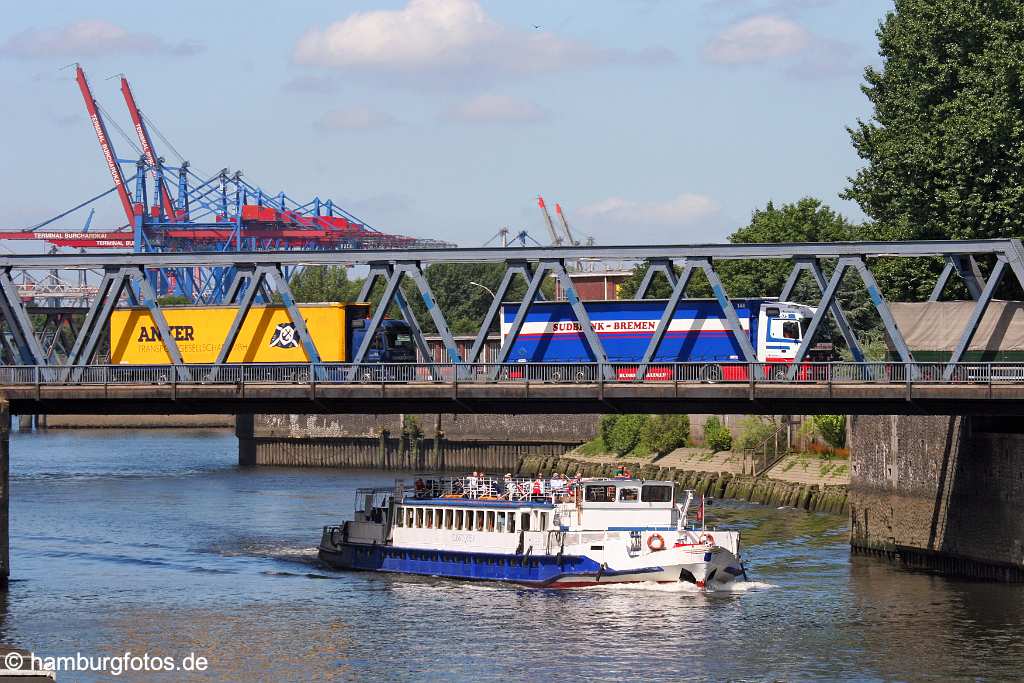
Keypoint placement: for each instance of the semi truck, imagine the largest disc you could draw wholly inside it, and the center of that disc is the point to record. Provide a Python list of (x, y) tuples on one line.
[(697, 333), (267, 335)]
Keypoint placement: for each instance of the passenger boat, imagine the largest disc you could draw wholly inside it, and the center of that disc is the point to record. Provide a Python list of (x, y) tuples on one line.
[(550, 533)]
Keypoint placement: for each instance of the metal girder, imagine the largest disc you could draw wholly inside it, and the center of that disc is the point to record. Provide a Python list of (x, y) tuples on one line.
[(110, 289), (416, 273), (678, 290), (976, 315), (513, 268), (496, 254), (814, 267), (292, 309), (732, 320), (394, 280), (823, 306), (582, 317), (157, 315), (253, 276), (524, 307), (387, 271), (966, 266), (18, 322), (875, 294), (654, 267)]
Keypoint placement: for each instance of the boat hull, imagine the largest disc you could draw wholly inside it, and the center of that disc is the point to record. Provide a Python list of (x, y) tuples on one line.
[(546, 571)]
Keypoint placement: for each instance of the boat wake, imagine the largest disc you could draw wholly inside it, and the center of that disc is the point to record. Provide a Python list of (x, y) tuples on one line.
[(684, 587)]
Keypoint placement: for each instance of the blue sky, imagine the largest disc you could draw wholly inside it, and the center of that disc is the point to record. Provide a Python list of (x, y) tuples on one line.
[(651, 121)]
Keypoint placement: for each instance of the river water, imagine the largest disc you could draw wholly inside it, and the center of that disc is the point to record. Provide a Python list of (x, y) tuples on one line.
[(155, 542)]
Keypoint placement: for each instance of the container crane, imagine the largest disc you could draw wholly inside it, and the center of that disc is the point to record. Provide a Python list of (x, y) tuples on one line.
[(565, 224), (556, 239), (166, 206), (105, 145)]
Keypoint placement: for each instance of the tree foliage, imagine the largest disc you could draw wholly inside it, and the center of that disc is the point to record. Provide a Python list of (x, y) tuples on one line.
[(717, 436), (663, 434), (832, 429), (622, 433), (324, 283), (944, 149)]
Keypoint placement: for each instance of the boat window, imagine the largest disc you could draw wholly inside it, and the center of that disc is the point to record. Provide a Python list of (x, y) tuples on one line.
[(653, 493), (419, 517), (458, 519), (600, 494), (409, 513), (399, 517), (500, 523), (490, 520), (543, 521), (629, 495), (526, 521), (447, 519), (429, 514), (479, 520), (511, 522)]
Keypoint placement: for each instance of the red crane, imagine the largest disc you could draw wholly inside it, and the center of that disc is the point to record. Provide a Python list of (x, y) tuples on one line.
[(147, 148), (105, 146)]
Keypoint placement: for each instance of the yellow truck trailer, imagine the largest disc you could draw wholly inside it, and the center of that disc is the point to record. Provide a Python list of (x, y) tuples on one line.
[(267, 335)]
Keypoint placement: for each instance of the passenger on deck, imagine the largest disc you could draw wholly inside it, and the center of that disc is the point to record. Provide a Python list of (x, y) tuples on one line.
[(509, 485), (557, 484), (472, 485), (421, 489), (538, 487)]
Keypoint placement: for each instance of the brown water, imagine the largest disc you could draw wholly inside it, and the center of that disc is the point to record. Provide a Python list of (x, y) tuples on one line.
[(156, 543)]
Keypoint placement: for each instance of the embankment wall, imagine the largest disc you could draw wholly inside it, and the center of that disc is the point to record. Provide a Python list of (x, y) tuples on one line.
[(939, 493)]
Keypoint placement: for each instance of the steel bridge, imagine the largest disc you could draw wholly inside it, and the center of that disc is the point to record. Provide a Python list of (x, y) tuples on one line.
[(35, 382)]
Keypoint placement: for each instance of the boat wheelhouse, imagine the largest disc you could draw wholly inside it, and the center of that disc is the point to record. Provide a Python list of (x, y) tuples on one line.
[(550, 532)]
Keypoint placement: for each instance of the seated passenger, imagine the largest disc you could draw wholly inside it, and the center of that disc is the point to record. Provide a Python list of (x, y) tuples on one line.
[(421, 489)]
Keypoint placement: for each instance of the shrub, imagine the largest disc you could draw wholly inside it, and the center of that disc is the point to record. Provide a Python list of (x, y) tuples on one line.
[(605, 427), (832, 429), (717, 436), (624, 434), (665, 433), (754, 431)]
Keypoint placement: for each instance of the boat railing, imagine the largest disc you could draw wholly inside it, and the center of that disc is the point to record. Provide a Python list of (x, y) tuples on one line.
[(494, 488)]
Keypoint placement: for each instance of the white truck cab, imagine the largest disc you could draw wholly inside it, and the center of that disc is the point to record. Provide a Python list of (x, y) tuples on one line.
[(780, 330)]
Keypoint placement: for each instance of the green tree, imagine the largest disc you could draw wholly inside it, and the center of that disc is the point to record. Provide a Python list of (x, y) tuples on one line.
[(621, 433), (717, 436), (832, 429), (324, 283), (944, 149), (663, 434)]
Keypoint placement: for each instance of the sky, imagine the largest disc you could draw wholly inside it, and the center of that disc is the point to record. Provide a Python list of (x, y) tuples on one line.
[(650, 121)]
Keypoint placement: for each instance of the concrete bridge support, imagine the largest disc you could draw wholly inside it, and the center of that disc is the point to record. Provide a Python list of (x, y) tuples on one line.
[(245, 431), (5, 480), (940, 493)]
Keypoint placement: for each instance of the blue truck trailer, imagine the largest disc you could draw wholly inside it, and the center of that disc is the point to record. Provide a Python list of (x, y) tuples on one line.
[(697, 333)]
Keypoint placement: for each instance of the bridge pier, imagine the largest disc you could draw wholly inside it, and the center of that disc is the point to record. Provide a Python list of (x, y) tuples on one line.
[(941, 493), (246, 433), (5, 478)]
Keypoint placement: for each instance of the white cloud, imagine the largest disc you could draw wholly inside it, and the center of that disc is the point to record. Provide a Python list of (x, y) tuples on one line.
[(497, 109), (757, 39), (680, 210), (452, 39), (355, 118), (91, 38)]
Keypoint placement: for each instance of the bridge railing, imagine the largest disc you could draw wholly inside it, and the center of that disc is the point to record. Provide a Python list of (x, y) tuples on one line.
[(518, 373)]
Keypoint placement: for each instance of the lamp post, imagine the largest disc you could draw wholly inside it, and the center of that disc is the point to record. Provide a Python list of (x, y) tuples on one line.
[(483, 287)]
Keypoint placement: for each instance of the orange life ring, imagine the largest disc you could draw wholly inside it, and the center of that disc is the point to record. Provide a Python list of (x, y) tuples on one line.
[(656, 542)]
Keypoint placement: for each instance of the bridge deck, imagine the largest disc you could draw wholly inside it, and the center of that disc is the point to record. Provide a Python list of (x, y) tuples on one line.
[(522, 398)]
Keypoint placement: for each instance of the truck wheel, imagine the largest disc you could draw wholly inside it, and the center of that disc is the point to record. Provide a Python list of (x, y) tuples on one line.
[(366, 376), (556, 376), (780, 373), (711, 373)]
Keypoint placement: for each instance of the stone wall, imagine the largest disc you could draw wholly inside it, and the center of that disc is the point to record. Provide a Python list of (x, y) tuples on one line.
[(568, 429), (943, 493)]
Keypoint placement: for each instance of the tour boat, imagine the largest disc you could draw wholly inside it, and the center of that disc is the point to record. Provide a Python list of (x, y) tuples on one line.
[(547, 533)]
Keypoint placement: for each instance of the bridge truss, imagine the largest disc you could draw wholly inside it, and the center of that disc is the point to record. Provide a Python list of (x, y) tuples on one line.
[(263, 274)]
